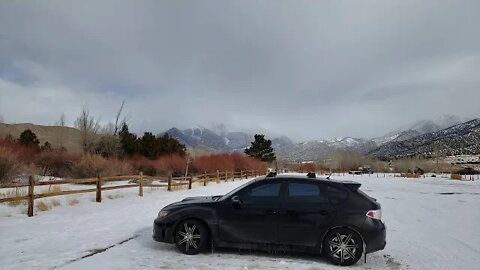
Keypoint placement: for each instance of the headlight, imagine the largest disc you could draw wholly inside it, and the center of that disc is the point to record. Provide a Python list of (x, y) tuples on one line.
[(162, 214)]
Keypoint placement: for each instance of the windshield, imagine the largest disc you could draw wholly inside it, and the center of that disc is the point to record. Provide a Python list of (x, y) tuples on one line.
[(237, 189)]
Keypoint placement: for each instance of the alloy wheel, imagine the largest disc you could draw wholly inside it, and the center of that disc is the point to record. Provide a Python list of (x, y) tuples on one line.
[(189, 236), (342, 247)]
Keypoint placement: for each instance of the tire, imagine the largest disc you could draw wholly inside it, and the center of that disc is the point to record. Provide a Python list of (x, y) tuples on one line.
[(343, 247), (191, 237)]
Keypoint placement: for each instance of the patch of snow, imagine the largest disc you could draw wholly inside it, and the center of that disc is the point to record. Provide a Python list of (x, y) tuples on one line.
[(431, 223)]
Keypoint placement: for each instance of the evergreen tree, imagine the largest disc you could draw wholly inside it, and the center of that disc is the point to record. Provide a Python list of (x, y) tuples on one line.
[(128, 141), (261, 149), (46, 147), (28, 138), (149, 146)]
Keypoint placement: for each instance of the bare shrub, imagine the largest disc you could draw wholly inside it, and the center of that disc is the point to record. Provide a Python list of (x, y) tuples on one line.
[(173, 164), (348, 160), (93, 165), (56, 163), (10, 165), (141, 163)]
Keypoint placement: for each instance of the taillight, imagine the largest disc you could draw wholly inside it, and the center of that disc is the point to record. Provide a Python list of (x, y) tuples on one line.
[(375, 214)]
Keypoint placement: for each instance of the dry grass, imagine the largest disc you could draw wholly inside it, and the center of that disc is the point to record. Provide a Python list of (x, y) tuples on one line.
[(115, 196), (42, 206), (455, 176), (94, 165), (55, 202), (17, 192), (73, 202)]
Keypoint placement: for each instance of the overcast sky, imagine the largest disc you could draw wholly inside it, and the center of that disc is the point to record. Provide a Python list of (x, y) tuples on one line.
[(304, 69)]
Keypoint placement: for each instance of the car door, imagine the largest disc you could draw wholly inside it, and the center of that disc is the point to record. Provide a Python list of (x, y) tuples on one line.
[(255, 219), (305, 213)]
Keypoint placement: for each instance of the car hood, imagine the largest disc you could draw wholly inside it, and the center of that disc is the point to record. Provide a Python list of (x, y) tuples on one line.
[(196, 200)]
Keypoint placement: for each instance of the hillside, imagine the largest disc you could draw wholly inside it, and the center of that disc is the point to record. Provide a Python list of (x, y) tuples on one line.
[(58, 136), (463, 138)]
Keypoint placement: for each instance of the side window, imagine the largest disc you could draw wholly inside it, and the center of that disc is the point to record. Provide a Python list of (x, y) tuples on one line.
[(305, 192), (270, 191), (336, 195)]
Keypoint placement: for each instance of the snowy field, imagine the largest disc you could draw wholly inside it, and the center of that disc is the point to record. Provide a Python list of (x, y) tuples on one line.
[(431, 224)]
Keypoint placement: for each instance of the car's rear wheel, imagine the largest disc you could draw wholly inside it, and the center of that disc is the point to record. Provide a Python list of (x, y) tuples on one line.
[(191, 237), (343, 246)]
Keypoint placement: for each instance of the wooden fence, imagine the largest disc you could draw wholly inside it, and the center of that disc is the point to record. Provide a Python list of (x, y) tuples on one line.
[(139, 181)]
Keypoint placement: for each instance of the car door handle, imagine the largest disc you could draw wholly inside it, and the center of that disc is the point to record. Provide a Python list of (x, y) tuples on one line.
[(275, 212), (324, 212)]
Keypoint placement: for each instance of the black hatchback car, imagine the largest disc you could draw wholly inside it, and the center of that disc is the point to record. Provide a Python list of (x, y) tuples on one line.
[(290, 213)]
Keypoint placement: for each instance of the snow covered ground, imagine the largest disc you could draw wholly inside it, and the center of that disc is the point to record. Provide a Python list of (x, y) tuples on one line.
[(431, 224)]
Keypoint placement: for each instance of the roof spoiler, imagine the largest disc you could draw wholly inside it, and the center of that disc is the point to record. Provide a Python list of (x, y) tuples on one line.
[(352, 186)]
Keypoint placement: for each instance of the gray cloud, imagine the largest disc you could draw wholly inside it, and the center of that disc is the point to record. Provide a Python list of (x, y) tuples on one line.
[(305, 69)]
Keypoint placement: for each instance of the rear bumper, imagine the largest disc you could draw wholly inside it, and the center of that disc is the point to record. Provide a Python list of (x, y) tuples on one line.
[(162, 231), (375, 235)]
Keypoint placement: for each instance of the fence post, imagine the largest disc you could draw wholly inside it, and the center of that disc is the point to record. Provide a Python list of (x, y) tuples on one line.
[(226, 176), (205, 179), (218, 176), (246, 174), (241, 174), (190, 180), (31, 186), (99, 190), (233, 175), (140, 185), (169, 188)]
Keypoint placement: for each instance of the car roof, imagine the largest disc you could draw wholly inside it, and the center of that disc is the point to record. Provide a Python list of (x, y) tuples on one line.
[(349, 184)]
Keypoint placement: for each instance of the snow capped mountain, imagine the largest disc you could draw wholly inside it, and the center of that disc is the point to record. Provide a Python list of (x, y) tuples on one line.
[(463, 138), (419, 128), (205, 139), (400, 142)]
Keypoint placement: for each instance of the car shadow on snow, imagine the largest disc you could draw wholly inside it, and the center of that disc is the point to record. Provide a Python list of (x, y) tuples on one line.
[(374, 261)]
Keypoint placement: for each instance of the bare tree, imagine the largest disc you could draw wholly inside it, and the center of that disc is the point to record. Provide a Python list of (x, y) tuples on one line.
[(119, 123), (89, 128), (61, 121)]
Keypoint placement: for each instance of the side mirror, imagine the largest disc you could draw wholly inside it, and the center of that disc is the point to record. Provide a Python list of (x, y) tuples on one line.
[(236, 201)]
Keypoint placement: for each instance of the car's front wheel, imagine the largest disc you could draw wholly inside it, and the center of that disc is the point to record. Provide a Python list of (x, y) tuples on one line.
[(343, 246), (191, 237)]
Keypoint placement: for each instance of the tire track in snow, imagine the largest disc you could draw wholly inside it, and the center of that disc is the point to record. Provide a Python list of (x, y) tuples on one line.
[(96, 251)]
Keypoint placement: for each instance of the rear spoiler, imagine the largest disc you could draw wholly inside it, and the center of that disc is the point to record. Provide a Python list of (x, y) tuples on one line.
[(353, 186)]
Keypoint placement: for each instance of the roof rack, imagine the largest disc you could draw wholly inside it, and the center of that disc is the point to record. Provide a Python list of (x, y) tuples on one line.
[(311, 175), (271, 174)]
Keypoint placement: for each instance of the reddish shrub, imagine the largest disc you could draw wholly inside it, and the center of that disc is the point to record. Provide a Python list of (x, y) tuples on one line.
[(56, 163), (170, 164), (9, 164), (24, 153), (142, 164)]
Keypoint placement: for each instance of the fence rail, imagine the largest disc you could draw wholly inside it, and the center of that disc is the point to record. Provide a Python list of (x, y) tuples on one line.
[(138, 182)]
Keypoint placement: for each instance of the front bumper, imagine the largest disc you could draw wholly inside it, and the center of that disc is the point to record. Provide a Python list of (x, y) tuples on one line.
[(163, 231)]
